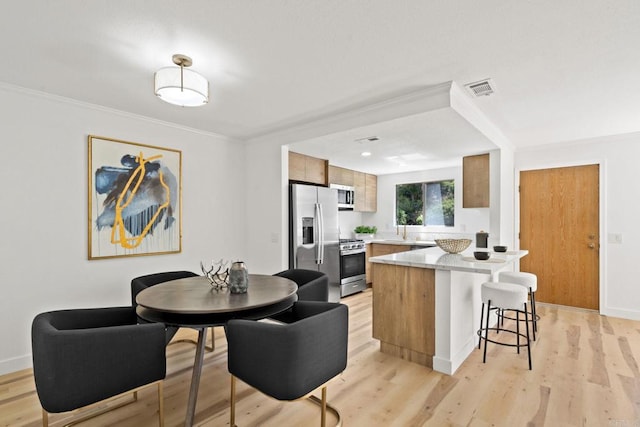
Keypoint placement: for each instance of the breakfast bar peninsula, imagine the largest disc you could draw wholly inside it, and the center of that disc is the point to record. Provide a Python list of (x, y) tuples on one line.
[(426, 303)]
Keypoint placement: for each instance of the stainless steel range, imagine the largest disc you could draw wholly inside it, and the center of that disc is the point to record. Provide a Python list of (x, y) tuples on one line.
[(352, 266)]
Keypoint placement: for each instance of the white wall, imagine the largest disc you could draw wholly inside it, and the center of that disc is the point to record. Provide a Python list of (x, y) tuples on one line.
[(267, 207), (502, 198), (620, 210), (467, 221), (43, 247), (348, 221)]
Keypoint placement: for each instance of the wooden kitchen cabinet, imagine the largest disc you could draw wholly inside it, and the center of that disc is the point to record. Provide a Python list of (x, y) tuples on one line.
[(367, 263), (360, 195), (371, 193), (475, 181), (404, 312), (366, 192), (307, 169), (377, 249), (297, 166), (341, 176)]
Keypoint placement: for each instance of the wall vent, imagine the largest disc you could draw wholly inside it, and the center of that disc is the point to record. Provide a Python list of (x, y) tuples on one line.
[(482, 88), (367, 139)]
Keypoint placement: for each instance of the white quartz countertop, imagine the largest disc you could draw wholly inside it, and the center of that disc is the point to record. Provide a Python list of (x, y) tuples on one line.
[(426, 243), (438, 259)]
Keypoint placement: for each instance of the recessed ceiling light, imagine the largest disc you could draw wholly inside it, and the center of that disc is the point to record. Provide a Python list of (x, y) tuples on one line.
[(365, 154)]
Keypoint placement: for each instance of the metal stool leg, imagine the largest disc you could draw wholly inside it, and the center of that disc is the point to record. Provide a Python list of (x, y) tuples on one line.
[(526, 321), (518, 327), (486, 331), (535, 314), (480, 330)]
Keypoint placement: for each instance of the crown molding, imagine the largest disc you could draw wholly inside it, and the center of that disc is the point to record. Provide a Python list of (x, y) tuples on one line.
[(109, 110), (633, 137)]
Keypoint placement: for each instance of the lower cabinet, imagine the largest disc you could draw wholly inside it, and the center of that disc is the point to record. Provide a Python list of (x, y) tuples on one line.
[(404, 312), (367, 263), (377, 249)]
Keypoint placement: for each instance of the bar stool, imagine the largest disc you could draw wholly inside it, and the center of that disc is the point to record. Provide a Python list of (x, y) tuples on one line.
[(530, 282), (503, 296)]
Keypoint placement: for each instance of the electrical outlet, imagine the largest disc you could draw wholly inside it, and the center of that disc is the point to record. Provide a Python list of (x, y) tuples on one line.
[(274, 238)]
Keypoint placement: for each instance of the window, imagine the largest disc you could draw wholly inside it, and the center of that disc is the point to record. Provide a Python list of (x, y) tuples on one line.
[(425, 203)]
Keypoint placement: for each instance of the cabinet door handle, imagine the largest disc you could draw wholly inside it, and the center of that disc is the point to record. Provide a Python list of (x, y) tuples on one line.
[(592, 246)]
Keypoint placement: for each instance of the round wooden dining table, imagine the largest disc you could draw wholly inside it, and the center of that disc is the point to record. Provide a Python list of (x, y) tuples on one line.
[(193, 303)]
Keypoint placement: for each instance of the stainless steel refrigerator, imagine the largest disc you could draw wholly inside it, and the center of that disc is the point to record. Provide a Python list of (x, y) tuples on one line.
[(314, 233)]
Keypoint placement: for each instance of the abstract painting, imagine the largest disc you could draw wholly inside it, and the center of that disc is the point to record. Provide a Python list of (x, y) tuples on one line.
[(134, 199)]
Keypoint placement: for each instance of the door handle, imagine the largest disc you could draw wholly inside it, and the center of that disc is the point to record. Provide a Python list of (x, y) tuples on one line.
[(591, 246)]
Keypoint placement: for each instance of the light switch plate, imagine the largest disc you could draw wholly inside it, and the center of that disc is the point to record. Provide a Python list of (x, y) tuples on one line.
[(615, 238)]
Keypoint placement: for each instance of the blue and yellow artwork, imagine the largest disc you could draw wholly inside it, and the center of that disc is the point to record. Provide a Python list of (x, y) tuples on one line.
[(134, 200)]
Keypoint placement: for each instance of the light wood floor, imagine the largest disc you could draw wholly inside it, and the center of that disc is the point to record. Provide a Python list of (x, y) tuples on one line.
[(585, 373)]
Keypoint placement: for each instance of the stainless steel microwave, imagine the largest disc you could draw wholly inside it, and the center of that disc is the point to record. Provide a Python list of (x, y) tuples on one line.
[(346, 196)]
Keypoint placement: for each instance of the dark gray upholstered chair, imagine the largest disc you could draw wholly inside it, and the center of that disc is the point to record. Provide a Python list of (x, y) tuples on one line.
[(289, 361), (312, 286), (138, 284), (85, 356)]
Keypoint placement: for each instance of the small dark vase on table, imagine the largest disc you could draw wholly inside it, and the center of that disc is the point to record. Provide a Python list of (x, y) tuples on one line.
[(238, 278)]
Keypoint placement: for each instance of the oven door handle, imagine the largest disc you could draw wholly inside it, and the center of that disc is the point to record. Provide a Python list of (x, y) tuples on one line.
[(352, 251)]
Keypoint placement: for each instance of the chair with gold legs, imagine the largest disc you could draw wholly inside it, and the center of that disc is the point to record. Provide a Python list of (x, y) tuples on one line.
[(289, 361), (84, 356)]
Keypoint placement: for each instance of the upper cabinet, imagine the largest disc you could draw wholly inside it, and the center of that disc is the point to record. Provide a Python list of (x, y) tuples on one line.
[(342, 176), (475, 181), (307, 169), (366, 192)]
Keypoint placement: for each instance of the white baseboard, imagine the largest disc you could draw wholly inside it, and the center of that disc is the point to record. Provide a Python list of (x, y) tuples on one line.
[(8, 366), (442, 365), (622, 313)]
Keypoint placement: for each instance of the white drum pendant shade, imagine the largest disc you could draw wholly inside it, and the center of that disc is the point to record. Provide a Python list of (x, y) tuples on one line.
[(188, 90)]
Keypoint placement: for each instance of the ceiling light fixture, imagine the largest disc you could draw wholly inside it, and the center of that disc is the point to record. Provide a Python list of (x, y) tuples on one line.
[(181, 86), (365, 154)]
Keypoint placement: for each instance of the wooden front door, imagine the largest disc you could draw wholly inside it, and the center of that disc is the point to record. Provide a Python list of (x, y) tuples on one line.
[(559, 225)]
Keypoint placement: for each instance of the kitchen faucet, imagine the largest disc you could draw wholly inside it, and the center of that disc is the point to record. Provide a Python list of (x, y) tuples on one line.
[(404, 231)]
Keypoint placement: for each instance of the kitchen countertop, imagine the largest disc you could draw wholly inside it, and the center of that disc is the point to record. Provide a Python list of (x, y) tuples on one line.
[(438, 259), (426, 243)]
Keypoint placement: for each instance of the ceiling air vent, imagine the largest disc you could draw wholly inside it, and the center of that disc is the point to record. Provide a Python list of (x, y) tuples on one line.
[(367, 139), (482, 88)]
